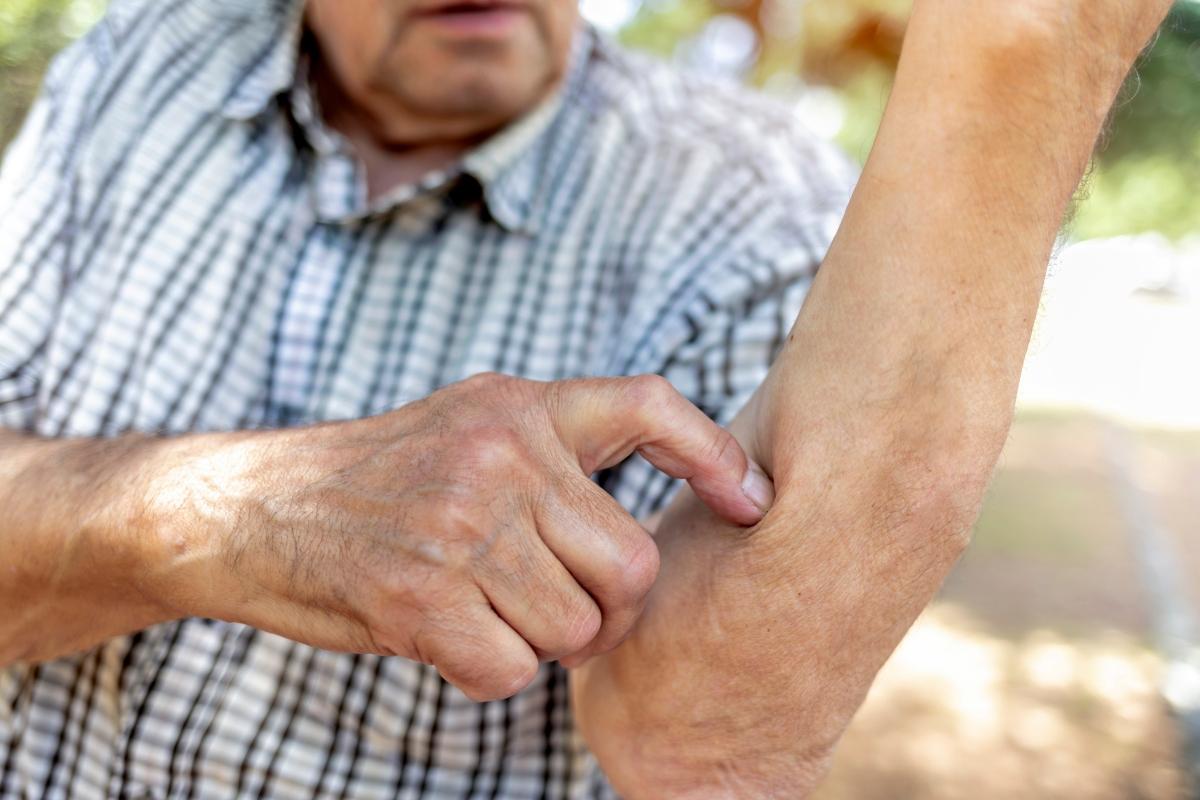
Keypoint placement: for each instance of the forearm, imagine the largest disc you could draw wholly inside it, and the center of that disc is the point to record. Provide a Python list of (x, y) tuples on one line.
[(921, 314), (880, 423), (73, 551)]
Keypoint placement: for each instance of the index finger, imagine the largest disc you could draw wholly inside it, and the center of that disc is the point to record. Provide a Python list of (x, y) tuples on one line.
[(608, 420)]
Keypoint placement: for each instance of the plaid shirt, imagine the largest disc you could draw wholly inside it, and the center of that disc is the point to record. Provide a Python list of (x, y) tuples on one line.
[(185, 247)]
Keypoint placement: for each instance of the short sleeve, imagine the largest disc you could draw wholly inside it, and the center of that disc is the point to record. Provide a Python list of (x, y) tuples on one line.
[(36, 198), (729, 337)]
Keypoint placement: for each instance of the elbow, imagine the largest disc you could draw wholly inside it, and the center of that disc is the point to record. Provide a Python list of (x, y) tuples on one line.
[(924, 486), (938, 504), (939, 485)]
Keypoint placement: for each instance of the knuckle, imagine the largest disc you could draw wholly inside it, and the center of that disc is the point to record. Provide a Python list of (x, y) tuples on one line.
[(496, 448), (517, 676), (577, 624), (639, 568), (724, 451), (628, 574), (645, 392), (498, 677), (495, 389), (482, 662), (485, 381)]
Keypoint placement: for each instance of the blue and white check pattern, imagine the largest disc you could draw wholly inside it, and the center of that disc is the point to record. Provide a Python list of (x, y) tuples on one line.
[(184, 247)]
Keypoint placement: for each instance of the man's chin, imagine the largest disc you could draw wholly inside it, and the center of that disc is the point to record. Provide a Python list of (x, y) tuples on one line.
[(489, 93)]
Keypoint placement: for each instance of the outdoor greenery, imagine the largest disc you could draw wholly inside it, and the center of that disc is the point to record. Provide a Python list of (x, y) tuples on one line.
[(31, 32), (1147, 177)]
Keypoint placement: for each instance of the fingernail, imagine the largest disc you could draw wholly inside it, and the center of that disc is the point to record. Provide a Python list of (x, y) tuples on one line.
[(758, 488)]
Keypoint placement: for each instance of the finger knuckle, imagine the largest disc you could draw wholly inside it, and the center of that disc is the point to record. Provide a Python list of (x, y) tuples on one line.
[(494, 389), (648, 392), (497, 449), (639, 568), (578, 622), (724, 450), (486, 381), (497, 677)]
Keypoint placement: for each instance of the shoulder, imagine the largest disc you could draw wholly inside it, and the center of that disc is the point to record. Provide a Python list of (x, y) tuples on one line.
[(719, 126), (148, 65), (739, 197), (192, 50)]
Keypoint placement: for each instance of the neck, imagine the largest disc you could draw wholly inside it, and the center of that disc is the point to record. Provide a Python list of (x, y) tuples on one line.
[(403, 149)]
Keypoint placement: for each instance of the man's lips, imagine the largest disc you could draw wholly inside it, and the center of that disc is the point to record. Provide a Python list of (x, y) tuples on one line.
[(472, 17)]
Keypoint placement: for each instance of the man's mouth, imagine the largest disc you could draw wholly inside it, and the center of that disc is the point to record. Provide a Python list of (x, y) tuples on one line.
[(475, 18)]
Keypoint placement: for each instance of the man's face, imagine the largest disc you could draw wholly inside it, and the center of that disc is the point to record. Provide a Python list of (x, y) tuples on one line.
[(472, 63)]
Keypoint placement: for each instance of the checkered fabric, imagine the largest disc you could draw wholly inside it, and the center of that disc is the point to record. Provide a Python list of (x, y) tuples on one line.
[(185, 247)]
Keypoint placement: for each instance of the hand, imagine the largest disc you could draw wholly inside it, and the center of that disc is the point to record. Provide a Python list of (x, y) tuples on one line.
[(462, 530), (756, 645)]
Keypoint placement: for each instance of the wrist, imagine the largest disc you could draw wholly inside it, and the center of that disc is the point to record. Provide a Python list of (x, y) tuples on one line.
[(85, 553), (188, 506)]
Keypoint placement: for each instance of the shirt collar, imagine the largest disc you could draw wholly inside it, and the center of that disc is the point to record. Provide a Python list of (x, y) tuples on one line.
[(271, 72), (507, 165), (511, 163)]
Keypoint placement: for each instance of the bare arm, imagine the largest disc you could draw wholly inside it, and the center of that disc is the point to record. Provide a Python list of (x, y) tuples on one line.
[(461, 530), (74, 555), (882, 418)]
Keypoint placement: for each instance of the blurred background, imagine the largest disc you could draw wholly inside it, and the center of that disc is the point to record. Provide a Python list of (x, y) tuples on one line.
[(1062, 659)]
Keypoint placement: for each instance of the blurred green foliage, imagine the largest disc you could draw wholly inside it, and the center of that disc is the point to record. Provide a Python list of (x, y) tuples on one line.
[(31, 32), (1146, 178)]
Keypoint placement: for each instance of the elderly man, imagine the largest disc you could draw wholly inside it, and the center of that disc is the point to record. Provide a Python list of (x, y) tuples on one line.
[(315, 320)]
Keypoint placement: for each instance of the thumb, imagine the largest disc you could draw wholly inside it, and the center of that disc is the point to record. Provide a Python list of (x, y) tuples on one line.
[(602, 421)]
